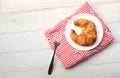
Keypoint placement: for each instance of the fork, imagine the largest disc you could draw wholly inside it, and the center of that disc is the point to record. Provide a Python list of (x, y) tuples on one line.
[(57, 40)]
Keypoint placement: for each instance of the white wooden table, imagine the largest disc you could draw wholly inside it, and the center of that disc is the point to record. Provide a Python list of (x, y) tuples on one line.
[(24, 50)]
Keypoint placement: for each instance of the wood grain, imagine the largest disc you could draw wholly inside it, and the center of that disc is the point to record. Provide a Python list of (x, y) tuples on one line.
[(24, 50)]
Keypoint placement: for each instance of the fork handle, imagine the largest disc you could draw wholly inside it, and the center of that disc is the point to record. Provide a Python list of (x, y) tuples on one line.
[(51, 63)]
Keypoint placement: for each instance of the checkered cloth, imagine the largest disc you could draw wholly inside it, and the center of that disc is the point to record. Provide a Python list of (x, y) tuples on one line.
[(65, 52)]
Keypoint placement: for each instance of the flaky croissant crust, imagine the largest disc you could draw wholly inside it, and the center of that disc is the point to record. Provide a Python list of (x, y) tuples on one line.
[(88, 34)]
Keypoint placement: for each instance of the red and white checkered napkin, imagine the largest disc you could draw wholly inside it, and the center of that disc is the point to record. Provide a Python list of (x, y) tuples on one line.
[(65, 52)]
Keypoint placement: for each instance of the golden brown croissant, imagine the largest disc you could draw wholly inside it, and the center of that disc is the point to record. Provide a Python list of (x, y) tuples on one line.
[(88, 34)]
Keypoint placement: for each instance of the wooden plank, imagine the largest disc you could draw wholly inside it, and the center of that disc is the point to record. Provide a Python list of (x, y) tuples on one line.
[(41, 20), (31, 21), (18, 6), (17, 65), (23, 41), (24, 61), (84, 72), (114, 30)]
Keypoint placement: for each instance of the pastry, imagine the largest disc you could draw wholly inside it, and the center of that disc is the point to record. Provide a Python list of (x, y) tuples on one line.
[(87, 36)]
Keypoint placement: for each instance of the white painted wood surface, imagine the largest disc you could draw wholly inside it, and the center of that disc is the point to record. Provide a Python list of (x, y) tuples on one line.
[(25, 53)]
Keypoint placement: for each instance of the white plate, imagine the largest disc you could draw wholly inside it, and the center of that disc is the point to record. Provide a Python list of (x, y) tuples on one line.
[(70, 25)]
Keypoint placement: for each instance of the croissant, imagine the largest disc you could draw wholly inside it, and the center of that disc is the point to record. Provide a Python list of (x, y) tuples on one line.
[(88, 34)]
